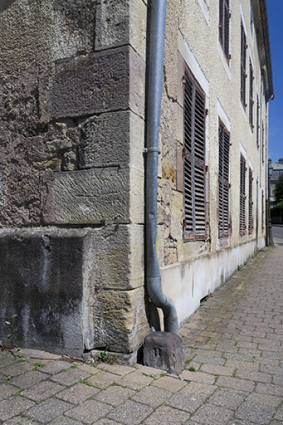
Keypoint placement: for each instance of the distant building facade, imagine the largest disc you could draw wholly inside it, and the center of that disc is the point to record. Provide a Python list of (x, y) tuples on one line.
[(72, 175)]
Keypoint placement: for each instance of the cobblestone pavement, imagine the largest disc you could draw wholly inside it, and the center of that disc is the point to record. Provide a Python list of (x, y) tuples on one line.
[(233, 375)]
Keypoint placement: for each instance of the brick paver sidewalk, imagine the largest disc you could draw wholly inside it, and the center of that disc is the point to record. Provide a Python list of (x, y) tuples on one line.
[(233, 375)]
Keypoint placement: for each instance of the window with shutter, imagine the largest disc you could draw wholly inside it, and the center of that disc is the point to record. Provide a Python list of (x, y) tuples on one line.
[(243, 65), (251, 102), (262, 209), (262, 144), (194, 159), (224, 26), (251, 224), (223, 193), (242, 196), (257, 123)]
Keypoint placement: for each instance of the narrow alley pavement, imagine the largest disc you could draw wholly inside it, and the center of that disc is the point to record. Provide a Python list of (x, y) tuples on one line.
[(233, 375)]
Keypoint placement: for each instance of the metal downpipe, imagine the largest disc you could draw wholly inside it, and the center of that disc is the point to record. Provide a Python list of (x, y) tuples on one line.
[(156, 34)]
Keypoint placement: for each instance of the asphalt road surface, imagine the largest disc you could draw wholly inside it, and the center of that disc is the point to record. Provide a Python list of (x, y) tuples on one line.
[(277, 232)]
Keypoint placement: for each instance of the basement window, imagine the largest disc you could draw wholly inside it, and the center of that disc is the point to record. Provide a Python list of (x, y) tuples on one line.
[(244, 47), (223, 177), (194, 159), (251, 226), (242, 196), (224, 26)]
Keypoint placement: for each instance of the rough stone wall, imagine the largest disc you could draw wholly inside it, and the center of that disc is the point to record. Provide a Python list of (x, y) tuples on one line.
[(71, 140)]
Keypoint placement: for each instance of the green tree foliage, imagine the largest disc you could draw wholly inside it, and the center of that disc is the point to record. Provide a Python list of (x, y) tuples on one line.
[(278, 192)]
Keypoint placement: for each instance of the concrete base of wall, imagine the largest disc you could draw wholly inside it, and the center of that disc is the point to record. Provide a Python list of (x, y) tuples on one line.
[(188, 283), (70, 291)]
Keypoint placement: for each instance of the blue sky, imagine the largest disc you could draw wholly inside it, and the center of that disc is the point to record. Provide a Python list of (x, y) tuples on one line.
[(275, 15)]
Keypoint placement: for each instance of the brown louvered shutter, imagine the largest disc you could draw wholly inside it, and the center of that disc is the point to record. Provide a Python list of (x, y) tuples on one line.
[(251, 102), (224, 26), (257, 123), (262, 143), (194, 159), (243, 65), (223, 201), (262, 209), (251, 224), (242, 196)]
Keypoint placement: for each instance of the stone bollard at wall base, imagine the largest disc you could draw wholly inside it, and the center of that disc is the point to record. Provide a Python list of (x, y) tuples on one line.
[(164, 350)]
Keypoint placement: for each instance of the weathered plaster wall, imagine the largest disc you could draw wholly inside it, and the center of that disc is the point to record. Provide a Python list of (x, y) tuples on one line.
[(72, 135), (192, 36)]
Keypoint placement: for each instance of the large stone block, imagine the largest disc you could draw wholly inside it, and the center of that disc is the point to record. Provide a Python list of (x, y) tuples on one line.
[(86, 197), (120, 320), (45, 277), (120, 22), (99, 82), (112, 139), (118, 257)]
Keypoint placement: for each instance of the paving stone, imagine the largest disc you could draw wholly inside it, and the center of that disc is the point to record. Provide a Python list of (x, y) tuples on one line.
[(167, 416), (136, 380), (48, 410), (200, 389), (227, 398), (212, 415), (14, 406), (115, 395), (255, 412), (235, 383), (77, 393), (130, 413), (254, 376), (278, 380), (279, 414), (89, 411), (16, 369), (55, 367), (70, 377), (265, 399), (186, 401), (244, 367), (203, 378), (217, 370), (118, 370), (103, 379), (169, 383), (28, 379), (92, 370), (152, 396), (6, 359), (105, 422), (63, 420), (269, 389), (211, 360), (240, 422), (42, 391), (6, 390), (19, 420)]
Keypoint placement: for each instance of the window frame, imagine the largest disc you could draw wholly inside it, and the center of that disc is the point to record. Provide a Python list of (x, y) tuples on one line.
[(251, 225), (224, 27), (258, 123), (243, 170), (223, 180), (243, 73), (194, 167), (251, 97)]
